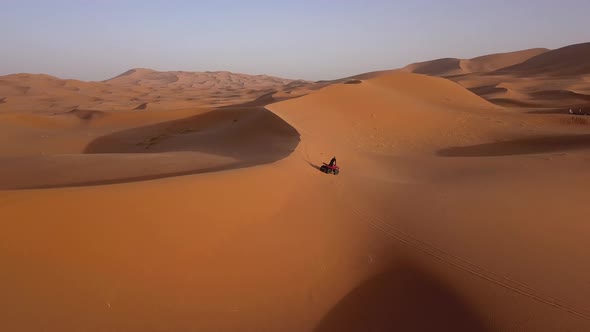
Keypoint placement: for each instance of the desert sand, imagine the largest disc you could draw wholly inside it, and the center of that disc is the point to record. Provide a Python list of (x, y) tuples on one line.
[(204, 209), (548, 81)]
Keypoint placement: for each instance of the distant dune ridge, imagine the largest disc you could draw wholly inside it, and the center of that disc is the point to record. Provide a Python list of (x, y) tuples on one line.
[(228, 80), (571, 60), (142, 89), (482, 64), (535, 78), (83, 111), (176, 201)]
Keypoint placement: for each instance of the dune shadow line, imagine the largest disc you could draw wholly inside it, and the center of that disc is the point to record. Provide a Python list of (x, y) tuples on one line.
[(521, 146), (250, 136), (138, 178)]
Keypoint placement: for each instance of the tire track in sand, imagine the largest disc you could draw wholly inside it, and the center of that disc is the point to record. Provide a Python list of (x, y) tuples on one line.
[(469, 267)]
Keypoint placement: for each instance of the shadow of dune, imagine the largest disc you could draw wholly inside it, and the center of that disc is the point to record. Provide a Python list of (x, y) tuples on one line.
[(260, 101), (559, 95), (249, 134), (507, 102), (402, 298), (137, 178), (487, 89), (245, 133), (222, 139), (577, 109), (521, 146)]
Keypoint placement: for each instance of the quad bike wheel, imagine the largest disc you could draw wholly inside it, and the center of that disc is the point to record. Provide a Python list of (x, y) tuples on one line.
[(336, 172)]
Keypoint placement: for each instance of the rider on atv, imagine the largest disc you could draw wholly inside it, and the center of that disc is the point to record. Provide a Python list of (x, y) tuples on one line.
[(330, 168), (333, 162)]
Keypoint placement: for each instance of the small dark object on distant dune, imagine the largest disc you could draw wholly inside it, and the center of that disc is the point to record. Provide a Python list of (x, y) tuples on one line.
[(141, 107), (353, 82)]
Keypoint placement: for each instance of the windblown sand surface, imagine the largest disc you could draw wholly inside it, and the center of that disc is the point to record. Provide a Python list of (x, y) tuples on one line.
[(139, 125), (450, 213), (482, 64), (550, 81)]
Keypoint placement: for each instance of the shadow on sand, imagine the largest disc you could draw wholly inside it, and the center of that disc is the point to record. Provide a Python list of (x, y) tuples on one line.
[(522, 146), (248, 135), (402, 298), (314, 166)]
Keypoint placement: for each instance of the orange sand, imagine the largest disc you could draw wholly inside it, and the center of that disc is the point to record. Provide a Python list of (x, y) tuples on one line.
[(450, 213)]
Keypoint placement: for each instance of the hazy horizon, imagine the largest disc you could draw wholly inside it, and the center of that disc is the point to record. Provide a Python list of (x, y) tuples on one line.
[(310, 40)]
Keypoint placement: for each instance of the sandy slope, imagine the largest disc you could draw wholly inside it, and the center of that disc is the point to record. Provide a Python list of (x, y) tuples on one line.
[(571, 60), (55, 132), (553, 81), (486, 63), (493, 62), (438, 67), (123, 146), (139, 89), (444, 217)]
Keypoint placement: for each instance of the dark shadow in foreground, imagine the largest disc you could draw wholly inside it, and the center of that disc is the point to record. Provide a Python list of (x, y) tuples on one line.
[(521, 146), (402, 298)]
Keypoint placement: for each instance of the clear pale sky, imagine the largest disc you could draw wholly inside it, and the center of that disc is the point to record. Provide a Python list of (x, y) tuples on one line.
[(309, 39)]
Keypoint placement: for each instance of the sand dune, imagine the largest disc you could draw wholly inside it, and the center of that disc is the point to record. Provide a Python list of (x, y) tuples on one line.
[(141, 89), (567, 61), (450, 213), (555, 93), (205, 141), (148, 77), (535, 78), (439, 67), (487, 63), (59, 117)]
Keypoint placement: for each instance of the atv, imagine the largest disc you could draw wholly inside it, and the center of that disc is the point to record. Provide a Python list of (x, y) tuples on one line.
[(330, 169)]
